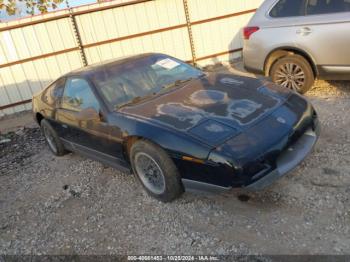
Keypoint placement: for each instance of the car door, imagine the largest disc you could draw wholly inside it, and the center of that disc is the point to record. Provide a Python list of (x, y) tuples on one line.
[(324, 32), (80, 113)]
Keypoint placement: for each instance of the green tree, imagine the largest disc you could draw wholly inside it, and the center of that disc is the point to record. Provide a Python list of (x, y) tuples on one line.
[(32, 5)]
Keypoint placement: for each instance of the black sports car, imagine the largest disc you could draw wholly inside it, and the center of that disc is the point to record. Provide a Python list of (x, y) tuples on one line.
[(177, 127)]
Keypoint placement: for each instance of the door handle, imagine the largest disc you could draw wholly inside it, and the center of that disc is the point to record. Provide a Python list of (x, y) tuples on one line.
[(304, 31)]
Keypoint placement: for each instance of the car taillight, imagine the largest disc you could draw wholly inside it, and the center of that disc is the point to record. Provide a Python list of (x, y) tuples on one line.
[(248, 31)]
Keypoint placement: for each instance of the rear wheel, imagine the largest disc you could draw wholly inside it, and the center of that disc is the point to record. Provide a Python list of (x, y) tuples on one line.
[(156, 171), (293, 72), (54, 142)]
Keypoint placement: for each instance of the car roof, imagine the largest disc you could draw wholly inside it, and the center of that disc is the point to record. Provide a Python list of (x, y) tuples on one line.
[(85, 71)]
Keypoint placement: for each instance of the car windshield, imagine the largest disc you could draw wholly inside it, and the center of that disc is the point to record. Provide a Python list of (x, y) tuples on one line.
[(132, 81)]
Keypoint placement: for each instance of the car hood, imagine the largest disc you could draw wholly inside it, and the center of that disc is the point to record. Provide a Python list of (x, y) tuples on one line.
[(212, 108)]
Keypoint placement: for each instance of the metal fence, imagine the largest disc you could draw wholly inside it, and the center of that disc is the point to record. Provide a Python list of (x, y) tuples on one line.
[(34, 51)]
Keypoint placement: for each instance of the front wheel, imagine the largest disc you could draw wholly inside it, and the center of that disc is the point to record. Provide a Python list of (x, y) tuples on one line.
[(293, 72), (156, 171)]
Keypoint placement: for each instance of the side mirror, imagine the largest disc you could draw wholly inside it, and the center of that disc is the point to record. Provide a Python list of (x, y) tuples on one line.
[(88, 114)]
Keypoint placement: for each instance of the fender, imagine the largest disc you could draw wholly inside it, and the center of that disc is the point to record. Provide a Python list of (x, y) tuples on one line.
[(268, 64)]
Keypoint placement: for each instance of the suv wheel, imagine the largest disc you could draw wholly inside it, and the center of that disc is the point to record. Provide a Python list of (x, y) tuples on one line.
[(293, 72), (156, 171)]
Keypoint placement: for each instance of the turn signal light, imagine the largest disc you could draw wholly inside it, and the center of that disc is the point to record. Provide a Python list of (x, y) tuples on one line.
[(198, 161)]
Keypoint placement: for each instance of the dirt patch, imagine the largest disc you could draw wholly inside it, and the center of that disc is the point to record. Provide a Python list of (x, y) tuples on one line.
[(11, 123), (17, 147)]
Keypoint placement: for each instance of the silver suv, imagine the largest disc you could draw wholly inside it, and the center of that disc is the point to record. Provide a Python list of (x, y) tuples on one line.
[(295, 41)]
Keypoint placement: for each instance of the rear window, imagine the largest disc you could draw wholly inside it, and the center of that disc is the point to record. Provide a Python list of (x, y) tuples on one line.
[(288, 8), (316, 7)]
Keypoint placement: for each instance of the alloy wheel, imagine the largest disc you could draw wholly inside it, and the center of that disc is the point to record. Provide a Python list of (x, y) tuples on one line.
[(150, 173), (290, 75)]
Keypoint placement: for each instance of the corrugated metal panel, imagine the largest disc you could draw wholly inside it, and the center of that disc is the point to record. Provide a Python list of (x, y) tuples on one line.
[(21, 81), (204, 9), (39, 39), (222, 34), (145, 17), (161, 42), (4, 97)]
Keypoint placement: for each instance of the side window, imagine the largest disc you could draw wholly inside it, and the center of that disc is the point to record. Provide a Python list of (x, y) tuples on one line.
[(54, 92), (316, 7), (57, 90), (78, 95), (288, 8)]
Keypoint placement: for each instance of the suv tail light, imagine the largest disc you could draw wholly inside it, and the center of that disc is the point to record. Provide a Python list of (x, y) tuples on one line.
[(248, 31)]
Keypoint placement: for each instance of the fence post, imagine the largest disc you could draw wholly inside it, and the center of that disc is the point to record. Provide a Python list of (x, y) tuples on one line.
[(77, 35), (189, 30)]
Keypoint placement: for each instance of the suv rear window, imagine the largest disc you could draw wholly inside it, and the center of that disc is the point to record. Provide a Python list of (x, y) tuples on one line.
[(287, 8), (316, 7)]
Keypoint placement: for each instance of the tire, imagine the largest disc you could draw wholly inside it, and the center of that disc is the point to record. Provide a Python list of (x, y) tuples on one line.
[(164, 181), (293, 72), (53, 141)]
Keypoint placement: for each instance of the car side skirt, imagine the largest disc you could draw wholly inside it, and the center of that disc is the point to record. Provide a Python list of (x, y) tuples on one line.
[(332, 72), (98, 156)]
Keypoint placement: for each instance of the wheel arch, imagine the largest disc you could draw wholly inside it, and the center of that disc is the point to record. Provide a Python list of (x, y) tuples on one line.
[(280, 52), (39, 117), (132, 139), (127, 144)]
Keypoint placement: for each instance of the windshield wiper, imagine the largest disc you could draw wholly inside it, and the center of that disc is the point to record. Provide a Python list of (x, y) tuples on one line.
[(132, 101), (177, 83), (137, 99)]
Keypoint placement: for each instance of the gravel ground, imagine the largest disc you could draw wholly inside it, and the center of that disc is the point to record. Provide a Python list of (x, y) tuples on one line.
[(72, 205)]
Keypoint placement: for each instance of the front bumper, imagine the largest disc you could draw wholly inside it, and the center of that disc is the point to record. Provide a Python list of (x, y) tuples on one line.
[(289, 159)]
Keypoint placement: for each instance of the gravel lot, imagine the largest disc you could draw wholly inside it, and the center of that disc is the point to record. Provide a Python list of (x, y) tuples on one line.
[(71, 205)]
